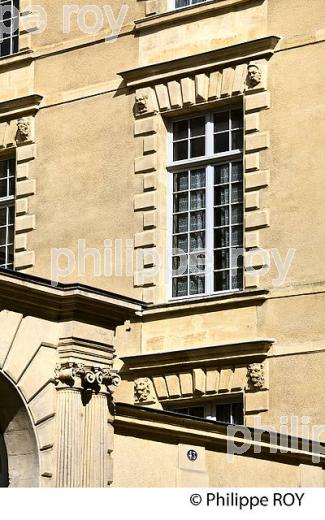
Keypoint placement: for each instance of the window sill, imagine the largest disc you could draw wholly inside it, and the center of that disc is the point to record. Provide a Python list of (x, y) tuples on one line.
[(231, 299), (183, 14), (18, 57)]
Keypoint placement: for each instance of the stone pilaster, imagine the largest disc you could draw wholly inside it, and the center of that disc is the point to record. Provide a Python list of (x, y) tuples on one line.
[(85, 424)]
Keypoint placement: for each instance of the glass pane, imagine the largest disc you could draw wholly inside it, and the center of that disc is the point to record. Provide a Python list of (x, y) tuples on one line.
[(181, 223), (236, 214), (221, 259), (221, 237), (180, 150), (197, 199), (197, 126), (197, 240), (221, 195), (197, 263), (221, 216), (197, 178), (180, 181), (12, 186), (196, 411), (2, 255), (5, 47), (237, 118), (221, 121), (197, 220), (236, 171), (221, 281), (3, 188), (237, 413), (237, 279), (180, 202), (180, 286), (11, 214), (180, 241), (10, 234), (3, 234), (236, 139), (181, 3), (237, 192), (179, 265), (197, 284), (180, 130), (236, 235), (223, 412), (221, 143), (221, 174), (197, 147), (3, 216), (237, 257)]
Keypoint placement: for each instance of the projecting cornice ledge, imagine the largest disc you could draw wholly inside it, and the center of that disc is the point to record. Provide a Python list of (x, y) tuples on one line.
[(34, 296), (246, 350), (21, 106), (233, 54)]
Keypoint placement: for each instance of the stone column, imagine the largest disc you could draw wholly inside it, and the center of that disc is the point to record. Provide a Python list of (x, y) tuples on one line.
[(85, 425)]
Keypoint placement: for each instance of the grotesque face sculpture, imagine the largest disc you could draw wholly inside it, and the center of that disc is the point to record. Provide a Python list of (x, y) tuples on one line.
[(142, 389), (23, 129), (254, 75), (256, 375), (141, 102)]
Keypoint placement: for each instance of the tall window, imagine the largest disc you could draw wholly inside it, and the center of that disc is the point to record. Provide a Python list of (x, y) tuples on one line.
[(206, 165), (9, 27), (7, 212)]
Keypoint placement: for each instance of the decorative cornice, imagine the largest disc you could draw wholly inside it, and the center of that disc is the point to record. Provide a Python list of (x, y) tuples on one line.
[(151, 74), (160, 424), (18, 107), (28, 294), (255, 349)]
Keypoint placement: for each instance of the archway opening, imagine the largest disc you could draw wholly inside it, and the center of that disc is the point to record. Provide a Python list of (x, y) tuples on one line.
[(19, 466)]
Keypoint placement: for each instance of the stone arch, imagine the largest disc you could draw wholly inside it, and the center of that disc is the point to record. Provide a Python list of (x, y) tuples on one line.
[(18, 445)]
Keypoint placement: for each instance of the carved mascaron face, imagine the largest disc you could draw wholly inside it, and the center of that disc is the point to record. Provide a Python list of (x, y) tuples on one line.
[(23, 128), (254, 75), (142, 389), (256, 374), (141, 103)]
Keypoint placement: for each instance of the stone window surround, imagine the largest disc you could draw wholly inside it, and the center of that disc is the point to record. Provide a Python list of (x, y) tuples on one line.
[(187, 85), (163, 379), (17, 139)]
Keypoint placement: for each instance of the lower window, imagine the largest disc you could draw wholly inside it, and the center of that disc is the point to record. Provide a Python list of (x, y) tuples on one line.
[(229, 412)]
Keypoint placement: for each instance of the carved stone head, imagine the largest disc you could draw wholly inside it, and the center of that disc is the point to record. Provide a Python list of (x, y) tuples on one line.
[(142, 390), (256, 375), (254, 75), (141, 103), (23, 129)]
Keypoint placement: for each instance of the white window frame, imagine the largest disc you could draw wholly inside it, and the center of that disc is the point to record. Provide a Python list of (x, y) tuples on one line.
[(5, 203), (210, 406), (208, 161), (13, 37), (172, 6)]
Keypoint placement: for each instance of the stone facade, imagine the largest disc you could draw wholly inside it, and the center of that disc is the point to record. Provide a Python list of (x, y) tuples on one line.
[(95, 361)]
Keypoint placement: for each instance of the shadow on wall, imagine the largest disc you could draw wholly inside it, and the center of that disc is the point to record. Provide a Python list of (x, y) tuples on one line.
[(19, 464)]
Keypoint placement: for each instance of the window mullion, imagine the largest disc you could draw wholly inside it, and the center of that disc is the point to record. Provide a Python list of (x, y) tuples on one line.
[(209, 230)]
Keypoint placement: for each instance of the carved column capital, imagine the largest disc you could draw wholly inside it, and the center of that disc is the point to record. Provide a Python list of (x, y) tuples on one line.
[(87, 378)]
